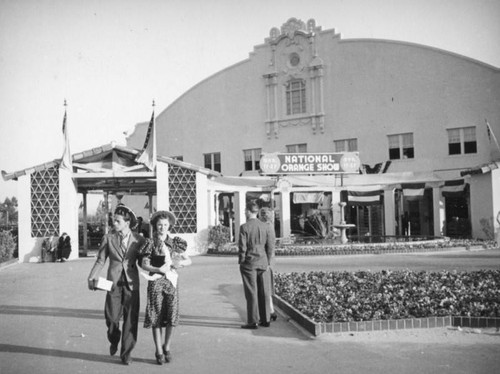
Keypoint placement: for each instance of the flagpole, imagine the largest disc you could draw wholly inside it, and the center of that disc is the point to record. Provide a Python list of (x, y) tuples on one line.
[(147, 155), (491, 134), (154, 136), (66, 159)]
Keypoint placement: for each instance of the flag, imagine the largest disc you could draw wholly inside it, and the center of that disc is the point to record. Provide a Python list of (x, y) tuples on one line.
[(148, 153), (66, 162), (494, 153), (379, 168)]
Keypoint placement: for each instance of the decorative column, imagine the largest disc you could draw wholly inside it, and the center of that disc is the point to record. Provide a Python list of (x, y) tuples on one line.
[(84, 228), (162, 186), (312, 77), (68, 209), (389, 212), (151, 211), (321, 100), (25, 240), (239, 212), (439, 211), (202, 204), (286, 227)]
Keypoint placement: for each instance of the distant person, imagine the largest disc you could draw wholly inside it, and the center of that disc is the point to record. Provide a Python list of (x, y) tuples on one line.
[(64, 248), (142, 228), (139, 224), (49, 252), (256, 246), (266, 215), (121, 246), (161, 255)]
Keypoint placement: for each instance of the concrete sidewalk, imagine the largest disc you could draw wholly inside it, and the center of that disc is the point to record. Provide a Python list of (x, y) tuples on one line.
[(51, 323)]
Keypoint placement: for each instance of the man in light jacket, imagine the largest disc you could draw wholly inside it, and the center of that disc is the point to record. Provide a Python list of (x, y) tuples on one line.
[(121, 246)]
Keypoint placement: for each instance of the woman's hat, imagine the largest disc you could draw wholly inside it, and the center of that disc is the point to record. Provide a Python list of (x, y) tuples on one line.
[(125, 211), (163, 214)]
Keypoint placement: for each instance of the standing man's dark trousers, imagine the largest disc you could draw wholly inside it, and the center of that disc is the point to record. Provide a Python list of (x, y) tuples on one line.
[(121, 301), (257, 287)]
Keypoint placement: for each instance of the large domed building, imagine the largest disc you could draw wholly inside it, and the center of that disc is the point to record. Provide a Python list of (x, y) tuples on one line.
[(423, 121)]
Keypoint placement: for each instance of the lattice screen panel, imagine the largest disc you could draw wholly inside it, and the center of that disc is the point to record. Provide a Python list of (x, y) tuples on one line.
[(182, 199), (45, 203)]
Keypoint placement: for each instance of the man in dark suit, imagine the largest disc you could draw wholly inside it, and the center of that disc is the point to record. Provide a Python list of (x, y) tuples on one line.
[(256, 248), (121, 246)]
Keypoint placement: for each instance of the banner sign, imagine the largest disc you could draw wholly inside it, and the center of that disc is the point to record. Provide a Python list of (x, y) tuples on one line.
[(310, 163)]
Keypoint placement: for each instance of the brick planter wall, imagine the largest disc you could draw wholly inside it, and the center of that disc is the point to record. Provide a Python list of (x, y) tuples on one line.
[(316, 329)]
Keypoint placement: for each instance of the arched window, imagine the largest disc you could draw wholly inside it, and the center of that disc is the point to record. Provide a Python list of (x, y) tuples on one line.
[(295, 97)]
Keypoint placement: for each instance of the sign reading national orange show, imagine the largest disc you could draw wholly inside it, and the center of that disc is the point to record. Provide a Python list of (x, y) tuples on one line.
[(309, 163)]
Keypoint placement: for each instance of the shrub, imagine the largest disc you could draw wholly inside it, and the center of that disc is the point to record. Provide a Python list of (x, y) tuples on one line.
[(218, 236), (365, 296), (7, 246)]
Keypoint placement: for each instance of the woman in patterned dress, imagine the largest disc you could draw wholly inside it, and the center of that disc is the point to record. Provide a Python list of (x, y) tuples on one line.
[(162, 308)]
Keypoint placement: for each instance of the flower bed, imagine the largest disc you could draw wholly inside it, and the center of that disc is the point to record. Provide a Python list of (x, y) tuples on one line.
[(363, 248), (390, 295)]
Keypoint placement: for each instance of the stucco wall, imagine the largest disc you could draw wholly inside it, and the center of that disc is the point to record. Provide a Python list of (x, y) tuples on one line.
[(371, 89), (481, 206)]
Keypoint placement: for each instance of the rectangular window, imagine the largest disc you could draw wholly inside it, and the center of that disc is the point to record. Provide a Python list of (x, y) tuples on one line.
[(296, 148), (252, 158), (462, 141), (212, 161), (454, 142), (295, 97), (345, 145), (401, 146), (178, 158)]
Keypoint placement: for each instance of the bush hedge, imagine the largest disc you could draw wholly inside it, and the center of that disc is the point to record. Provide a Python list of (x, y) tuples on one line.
[(365, 296), (218, 237), (7, 246)]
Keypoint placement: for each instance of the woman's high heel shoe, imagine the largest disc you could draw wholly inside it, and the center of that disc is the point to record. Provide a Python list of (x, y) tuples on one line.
[(167, 354), (160, 358), (274, 316)]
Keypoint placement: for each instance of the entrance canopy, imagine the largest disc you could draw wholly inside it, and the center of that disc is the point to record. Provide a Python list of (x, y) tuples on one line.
[(112, 169)]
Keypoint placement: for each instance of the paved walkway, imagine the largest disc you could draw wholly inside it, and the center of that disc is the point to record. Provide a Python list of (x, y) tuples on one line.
[(51, 323)]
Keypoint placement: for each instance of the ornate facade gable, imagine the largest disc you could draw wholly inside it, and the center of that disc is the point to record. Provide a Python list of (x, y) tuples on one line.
[(294, 60)]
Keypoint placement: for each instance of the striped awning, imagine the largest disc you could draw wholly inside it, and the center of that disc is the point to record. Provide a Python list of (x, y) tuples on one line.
[(453, 188), (413, 189), (364, 196)]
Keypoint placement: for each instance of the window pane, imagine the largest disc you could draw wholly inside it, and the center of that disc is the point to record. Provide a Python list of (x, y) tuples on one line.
[(454, 136), (408, 152), (302, 148), (407, 140), (352, 145), (470, 147), (339, 145), (296, 102), (393, 141), (454, 148), (217, 158), (208, 160), (469, 134), (248, 155), (394, 154), (303, 102), (248, 165), (295, 97), (290, 149)]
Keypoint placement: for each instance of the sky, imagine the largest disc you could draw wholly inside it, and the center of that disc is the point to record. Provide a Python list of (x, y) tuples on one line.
[(109, 59)]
